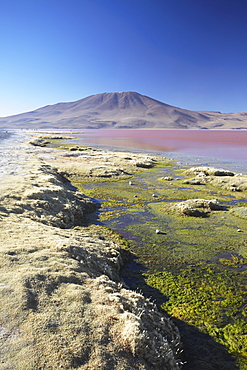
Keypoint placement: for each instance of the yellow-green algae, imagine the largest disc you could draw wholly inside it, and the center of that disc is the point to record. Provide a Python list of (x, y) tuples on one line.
[(212, 299)]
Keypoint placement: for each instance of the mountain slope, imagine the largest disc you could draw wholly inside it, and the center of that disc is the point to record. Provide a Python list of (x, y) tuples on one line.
[(121, 110)]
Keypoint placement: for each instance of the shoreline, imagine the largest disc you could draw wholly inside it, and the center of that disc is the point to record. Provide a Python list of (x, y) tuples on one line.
[(237, 165), (181, 158)]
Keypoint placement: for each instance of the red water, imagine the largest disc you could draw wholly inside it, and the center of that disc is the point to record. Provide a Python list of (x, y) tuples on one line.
[(222, 144)]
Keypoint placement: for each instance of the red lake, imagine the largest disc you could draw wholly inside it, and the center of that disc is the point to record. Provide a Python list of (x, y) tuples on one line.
[(227, 144)]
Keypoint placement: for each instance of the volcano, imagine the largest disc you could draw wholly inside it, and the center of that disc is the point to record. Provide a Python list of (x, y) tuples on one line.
[(121, 110)]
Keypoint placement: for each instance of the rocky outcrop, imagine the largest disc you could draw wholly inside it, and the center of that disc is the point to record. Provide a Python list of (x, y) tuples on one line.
[(217, 177), (48, 200), (86, 162), (208, 171), (195, 181), (167, 178), (195, 207)]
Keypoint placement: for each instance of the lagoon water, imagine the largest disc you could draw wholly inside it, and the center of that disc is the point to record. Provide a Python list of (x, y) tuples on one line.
[(225, 148)]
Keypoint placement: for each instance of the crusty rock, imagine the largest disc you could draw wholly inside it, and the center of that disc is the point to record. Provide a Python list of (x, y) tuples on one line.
[(91, 163), (167, 178), (217, 177), (145, 164), (208, 171), (49, 200), (196, 207), (194, 181)]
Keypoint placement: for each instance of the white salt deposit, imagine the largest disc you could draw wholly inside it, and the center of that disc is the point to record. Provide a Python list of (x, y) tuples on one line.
[(11, 152)]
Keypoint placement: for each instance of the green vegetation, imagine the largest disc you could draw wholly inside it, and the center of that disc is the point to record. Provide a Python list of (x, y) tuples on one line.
[(212, 299)]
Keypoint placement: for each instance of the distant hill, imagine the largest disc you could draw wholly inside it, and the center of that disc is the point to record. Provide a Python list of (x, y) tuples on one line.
[(121, 110)]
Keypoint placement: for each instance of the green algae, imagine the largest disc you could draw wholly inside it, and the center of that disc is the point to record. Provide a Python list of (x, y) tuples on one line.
[(234, 261), (201, 238), (212, 299)]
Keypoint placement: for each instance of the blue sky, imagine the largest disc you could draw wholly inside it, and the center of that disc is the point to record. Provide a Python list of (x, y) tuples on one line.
[(187, 53)]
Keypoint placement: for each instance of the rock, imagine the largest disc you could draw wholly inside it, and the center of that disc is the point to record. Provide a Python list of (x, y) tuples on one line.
[(104, 172), (148, 162), (194, 181), (239, 184), (49, 200), (39, 142), (74, 148), (196, 207), (167, 178), (209, 171), (144, 165), (217, 177)]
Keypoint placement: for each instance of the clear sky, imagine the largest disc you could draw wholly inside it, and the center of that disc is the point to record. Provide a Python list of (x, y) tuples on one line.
[(187, 53)]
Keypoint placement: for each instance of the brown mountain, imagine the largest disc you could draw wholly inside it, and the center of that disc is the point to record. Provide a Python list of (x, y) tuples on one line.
[(121, 110)]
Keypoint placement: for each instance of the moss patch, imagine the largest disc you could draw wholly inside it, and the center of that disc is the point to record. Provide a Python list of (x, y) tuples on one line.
[(212, 299)]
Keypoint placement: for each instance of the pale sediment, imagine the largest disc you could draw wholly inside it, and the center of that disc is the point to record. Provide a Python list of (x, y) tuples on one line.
[(225, 179), (195, 207), (63, 302)]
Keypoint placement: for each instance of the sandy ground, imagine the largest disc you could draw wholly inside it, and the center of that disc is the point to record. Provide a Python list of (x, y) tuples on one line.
[(63, 304)]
